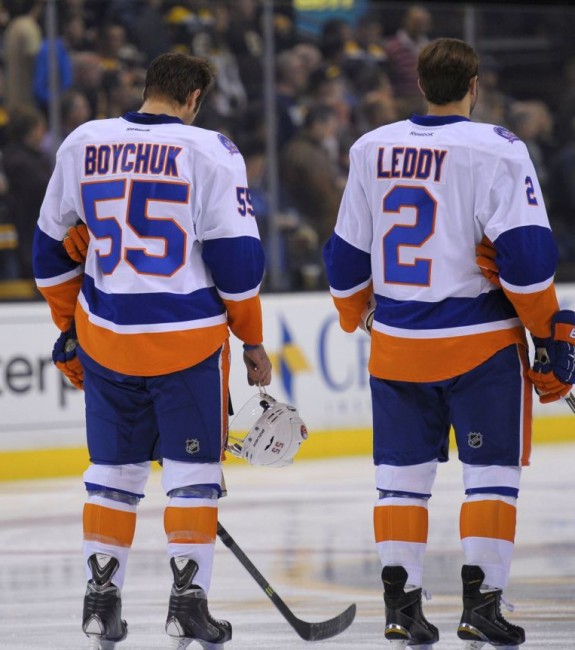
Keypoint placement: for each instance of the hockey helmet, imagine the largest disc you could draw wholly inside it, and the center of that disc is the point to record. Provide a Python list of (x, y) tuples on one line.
[(275, 432)]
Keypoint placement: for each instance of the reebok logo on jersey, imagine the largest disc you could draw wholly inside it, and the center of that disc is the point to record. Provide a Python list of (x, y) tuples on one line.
[(422, 134)]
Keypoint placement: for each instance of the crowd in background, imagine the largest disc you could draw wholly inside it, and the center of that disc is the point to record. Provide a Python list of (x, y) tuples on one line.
[(338, 75)]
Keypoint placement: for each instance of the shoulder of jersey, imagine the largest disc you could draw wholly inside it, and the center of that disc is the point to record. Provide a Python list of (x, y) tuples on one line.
[(489, 137), (383, 133), (493, 137)]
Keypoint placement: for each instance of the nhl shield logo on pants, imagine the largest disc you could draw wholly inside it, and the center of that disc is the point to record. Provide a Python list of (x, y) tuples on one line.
[(192, 445), (474, 440)]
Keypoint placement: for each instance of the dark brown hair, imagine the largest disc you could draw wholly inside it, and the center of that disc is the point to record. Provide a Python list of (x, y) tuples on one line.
[(175, 76), (445, 68)]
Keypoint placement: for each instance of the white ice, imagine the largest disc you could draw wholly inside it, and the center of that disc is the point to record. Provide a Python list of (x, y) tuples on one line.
[(308, 528)]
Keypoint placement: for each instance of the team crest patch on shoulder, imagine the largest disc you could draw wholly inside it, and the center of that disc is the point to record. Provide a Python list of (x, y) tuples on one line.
[(506, 133), (192, 445), (228, 144)]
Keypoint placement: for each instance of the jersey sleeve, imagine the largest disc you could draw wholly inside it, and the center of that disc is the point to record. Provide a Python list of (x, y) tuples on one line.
[(231, 246), (58, 277), (526, 252), (347, 254)]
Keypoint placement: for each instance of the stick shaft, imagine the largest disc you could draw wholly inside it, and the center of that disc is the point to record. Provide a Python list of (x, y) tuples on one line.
[(307, 631)]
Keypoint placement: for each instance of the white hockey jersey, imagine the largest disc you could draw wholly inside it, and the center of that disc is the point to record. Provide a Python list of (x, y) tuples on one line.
[(420, 196), (174, 255)]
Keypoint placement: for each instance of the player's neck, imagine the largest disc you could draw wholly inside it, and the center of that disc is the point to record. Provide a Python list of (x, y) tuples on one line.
[(160, 107), (455, 108), (462, 108)]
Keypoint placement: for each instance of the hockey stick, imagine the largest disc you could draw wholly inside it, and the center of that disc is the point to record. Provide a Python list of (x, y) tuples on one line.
[(307, 631)]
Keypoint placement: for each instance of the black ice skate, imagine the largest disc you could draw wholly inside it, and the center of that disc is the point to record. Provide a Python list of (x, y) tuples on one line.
[(405, 624), (482, 621), (188, 616), (102, 619)]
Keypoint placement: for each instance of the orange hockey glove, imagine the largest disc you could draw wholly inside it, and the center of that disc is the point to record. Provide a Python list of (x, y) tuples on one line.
[(65, 359), (485, 259), (76, 242)]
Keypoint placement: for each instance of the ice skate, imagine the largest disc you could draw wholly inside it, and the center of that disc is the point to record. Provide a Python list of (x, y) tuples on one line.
[(405, 624), (482, 621), (188, 616), (102, 618)]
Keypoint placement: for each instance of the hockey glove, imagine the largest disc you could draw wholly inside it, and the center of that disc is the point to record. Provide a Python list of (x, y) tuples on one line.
[(553, 372), (65, 359), (76, 242), (485, 259)]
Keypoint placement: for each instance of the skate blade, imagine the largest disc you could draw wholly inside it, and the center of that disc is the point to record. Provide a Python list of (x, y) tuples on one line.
[(179, 643), (474, 645), (398, 644), (107, 645), (97, 643)]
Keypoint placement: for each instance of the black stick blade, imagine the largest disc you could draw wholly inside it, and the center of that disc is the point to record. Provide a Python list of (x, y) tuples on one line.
[(325, 629)]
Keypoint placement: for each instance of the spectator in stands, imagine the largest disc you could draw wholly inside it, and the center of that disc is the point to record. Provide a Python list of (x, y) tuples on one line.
[(22, 41), (402, 51), (562, 203), (532, 122), (291, 83), (9, 269), (493, 105), (566, 105), (313, 184), (88, 75), (228, 98), (378, 106), (245, 39), (310, 56), (75, 34), (367, 43), (28, 170), (75, 111), (336, 35), (43, 72), (151, 32), (330, 87)]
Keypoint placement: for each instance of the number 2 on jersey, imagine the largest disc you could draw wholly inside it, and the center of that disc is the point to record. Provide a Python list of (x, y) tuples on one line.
[(165, 228), (414, 236)]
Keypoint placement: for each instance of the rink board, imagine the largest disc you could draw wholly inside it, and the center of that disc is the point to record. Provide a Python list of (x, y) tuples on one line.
[(317, 367), (49, 463)]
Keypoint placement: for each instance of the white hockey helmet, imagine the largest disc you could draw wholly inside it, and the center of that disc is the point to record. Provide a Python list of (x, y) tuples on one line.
[(275, 436)]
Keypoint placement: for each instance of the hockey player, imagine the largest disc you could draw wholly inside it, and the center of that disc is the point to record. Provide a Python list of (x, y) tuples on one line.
[(448, 347), (173, 262)]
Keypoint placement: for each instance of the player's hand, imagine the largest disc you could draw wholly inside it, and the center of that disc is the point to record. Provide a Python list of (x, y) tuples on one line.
[(366, 320), (65, 359), (258, 365), (76, 242), (485, 258), (553, 372)]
